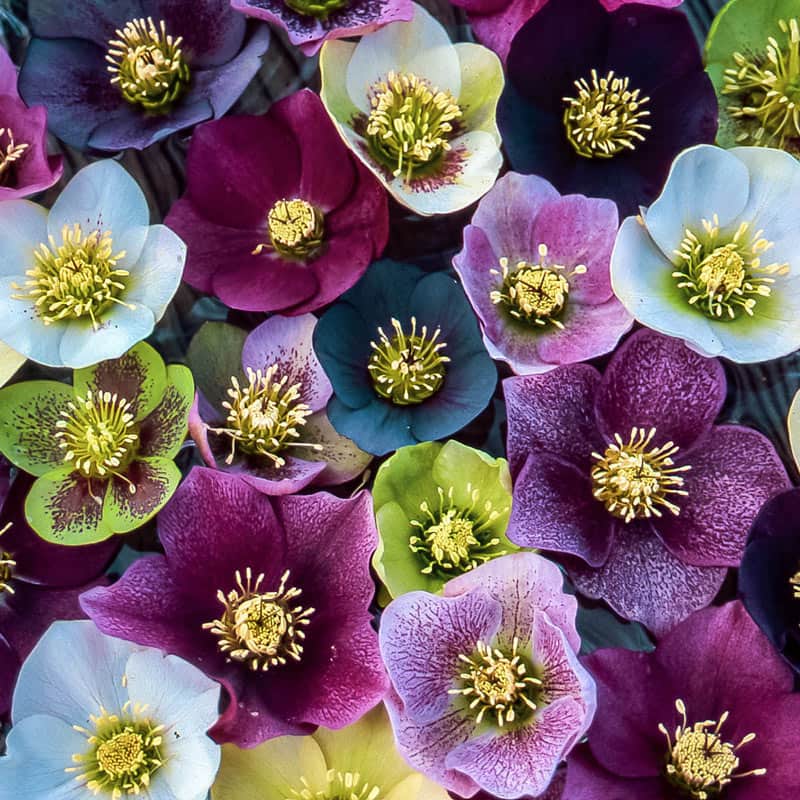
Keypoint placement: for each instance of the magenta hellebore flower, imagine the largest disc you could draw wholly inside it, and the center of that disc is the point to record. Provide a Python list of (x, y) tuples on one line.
[(287, 232), (708, 715), (535, 267), (268, 596), (488, 692), (627, 476)]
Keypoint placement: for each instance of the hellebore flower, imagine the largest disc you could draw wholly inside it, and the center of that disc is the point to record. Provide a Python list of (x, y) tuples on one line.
[(129, 73), (283, 233), (602, 104), (535, 266), (260, 408), (418, 110), (269, 596), (709, 714), (120, 721), (358, 762), (25, 167), (714, 260), (442, 510), (309, 23), (89, 279), (488, 692), (404, 355), (102, 449), (629, 478)]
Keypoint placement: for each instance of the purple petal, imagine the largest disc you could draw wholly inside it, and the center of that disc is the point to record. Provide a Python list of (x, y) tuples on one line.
[(342, 457), (587, 780), (293, 476)]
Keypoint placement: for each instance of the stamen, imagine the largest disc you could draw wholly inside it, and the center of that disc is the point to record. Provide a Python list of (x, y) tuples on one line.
[(341, 786), (7, 564), (794, 582), (10, 154), (296, 230)]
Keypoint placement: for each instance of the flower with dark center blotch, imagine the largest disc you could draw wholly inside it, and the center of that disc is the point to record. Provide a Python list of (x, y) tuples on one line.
[(708, 715), (260, 408), (487, 691), (628, 478), (600, 102), (128, 73), (270, 596), (288, 233), (404, 355)]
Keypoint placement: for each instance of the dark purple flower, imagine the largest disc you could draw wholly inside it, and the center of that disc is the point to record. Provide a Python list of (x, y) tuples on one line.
[(708, 715), (627, 476), (287, 232), (268, 596), (128, 73)]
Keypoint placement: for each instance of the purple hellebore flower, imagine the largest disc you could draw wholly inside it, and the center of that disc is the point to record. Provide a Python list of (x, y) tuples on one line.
[(535, 267), (627, 476), (310, 23), (708, 715), (25, 167), (285, 233), (268, 596), (488, 692), (128, 73)]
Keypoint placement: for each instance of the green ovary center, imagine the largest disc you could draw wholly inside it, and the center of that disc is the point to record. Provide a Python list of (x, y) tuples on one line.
[(320, 9), (296, 230)]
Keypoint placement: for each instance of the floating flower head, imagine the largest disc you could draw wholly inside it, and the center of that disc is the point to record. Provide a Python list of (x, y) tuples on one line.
[(612, 97), (283, 234), (626, 475), (89, 279), (269, 596), (418, 110), (442, 510), (714, 259), (129, 73), (122, 721), (708, 715), (404, 355), (102, 449), (535, 266), (260, 410), (487, 689)]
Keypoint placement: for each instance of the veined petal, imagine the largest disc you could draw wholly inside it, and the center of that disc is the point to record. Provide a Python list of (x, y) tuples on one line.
[(164, 429)]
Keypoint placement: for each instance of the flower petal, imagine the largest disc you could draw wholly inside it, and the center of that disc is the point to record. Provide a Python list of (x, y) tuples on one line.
[(214, 356), (164, 429), (344, 459), (24, 229)]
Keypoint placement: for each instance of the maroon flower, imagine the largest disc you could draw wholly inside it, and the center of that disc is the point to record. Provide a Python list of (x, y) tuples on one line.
[(268, 596)]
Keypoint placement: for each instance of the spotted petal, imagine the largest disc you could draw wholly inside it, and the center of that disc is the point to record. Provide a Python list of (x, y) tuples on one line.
[(164, 429)]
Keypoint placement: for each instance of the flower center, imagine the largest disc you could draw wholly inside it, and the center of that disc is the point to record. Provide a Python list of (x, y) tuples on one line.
[(125, 750), (321, 9), (408, 368), (341, 786), (260, 629), (9, 154), (453, 540), (7, 565), (765, 88), (264, 416), (605, 117), (498, 684), (148, 65), (699, 762), (76, 279), (633, 479), (720, 278), (411, 123), (794, 582), (296, 230)]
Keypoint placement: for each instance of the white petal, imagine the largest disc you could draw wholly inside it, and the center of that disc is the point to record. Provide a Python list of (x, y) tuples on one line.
[(23, 226), (155, 277), (10, 362), (192, 764)]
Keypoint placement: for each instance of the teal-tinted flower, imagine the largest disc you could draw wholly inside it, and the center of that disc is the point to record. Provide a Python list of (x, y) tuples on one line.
[(442, 510), (102, 449)]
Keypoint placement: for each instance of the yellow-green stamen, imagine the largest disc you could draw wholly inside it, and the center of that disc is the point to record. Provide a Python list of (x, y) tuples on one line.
[(10, 153), (7, 564), (296, 230), (794, 582), (341, 786)]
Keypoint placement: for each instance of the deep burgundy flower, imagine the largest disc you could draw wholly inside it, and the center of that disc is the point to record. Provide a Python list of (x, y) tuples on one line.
[(268, 596)]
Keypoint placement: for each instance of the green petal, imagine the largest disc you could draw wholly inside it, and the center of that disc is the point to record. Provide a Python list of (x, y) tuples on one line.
[(163, 430), (154, 480), (215, 355), (29, 412), (61, 509), (481, 86), (139, 376), (406, 478)]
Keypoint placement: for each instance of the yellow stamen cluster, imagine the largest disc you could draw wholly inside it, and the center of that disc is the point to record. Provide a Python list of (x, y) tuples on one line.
[(766, 90), (257, 628), (408, 368), (700, 763), (296, 230), (341, 786), (605, 117), (722, 275), (10, 153), (534, 293), (7, 564), (410, 124), (794, 582), (633, 479), (75, 279), (497, 684), (148, 65)]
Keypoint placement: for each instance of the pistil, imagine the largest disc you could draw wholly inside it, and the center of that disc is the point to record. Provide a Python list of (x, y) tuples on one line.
[(296, 230), (318, 9)]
